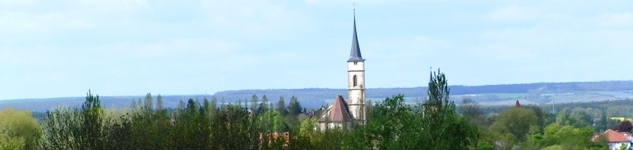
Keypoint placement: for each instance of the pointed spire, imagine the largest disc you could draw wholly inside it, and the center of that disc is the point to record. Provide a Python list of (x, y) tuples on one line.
[(355, 55)]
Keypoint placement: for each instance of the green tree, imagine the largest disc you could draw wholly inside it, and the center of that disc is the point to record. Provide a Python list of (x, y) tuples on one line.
[(281, 106), (61, 129), (516, 121), (562, 117), (429, 125), (18, 129), (91, 127), (579, 118), (263, 107), (294, 108), (254, 105), (272, 120), (439, 115), (602, 123), (307, 126)]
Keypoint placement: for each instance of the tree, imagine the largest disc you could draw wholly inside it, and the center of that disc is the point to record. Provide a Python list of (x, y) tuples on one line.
[(18, 129), (294, 108), (281, 106), (254, 105), (213, 107), (516, 121), (272, 121), (159, 102), (562, 117), (580, 118), (442, 120), (61, 129), (625, 126), (92, 123), (470, 108), (149, 102), (602, 123), (263, 107), (307, 126), (566, 136)]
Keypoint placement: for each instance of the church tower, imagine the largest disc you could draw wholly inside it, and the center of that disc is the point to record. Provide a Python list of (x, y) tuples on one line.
[(356, 80)]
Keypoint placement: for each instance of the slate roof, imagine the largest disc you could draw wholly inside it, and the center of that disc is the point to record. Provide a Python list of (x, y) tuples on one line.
[(354, 55), (339, 112)]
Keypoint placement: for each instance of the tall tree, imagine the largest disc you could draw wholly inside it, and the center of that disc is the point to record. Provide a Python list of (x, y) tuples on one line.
[(92, 123), (281, 106), (254, 105), (294, 107), (149, 102), (159, 102), (213, 106), (263, 107), (439, 114)]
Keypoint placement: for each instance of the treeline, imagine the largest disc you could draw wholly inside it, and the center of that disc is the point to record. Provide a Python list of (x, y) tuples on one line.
[(436, 123), (592, 111), (209, 124), (530, 127)]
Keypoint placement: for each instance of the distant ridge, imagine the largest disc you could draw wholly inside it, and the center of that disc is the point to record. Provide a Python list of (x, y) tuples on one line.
[(327, 93), (315, 97)]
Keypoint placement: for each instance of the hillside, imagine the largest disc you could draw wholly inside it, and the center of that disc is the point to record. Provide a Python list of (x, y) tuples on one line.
[(532, 93)]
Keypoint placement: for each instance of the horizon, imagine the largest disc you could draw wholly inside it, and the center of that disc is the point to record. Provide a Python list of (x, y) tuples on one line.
[(118, 48), (156, 94)]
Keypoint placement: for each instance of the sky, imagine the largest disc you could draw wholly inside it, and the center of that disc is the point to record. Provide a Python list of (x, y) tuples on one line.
[(133, 47)]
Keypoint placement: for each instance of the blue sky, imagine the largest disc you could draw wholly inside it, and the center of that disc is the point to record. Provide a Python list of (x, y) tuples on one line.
[(132, 47)]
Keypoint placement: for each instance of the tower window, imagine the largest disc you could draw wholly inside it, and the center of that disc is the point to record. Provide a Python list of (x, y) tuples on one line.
[(355, 63), (354, 80)]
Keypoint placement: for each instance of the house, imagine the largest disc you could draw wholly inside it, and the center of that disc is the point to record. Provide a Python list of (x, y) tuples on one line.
[(615, 139)]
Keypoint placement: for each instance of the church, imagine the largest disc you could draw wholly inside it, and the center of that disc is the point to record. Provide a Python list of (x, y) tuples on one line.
[(342, 113)]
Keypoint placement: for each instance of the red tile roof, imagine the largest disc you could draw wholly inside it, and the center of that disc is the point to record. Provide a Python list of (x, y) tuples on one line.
[(613, 136), (339, 112)]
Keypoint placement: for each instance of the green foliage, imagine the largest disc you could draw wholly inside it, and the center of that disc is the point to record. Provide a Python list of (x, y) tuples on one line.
[(272, 121), (391, 124), (431, 125), (484, 146), (18, 129), (281, 106), (515, 121), (91, 128), (307, 126)]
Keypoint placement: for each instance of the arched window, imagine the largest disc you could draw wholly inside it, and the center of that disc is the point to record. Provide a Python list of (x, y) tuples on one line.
[(354, 80)]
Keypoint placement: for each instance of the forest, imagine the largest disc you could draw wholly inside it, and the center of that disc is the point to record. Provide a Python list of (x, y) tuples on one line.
[(436, 123)]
